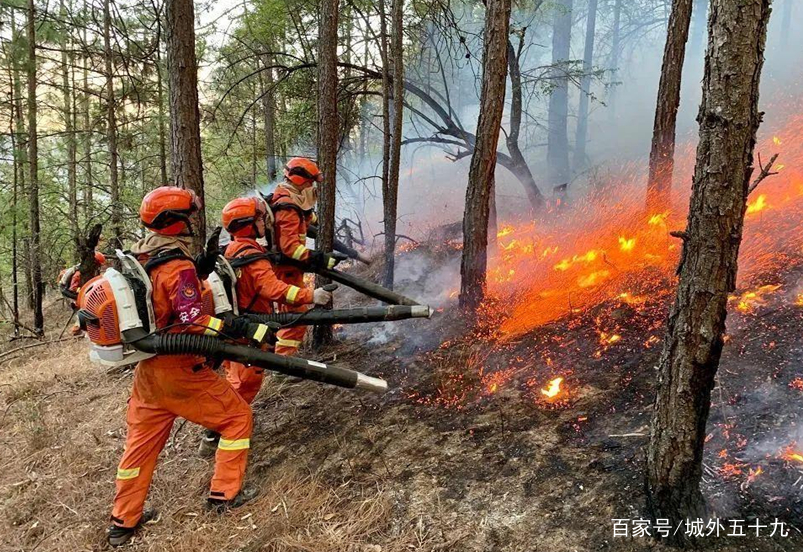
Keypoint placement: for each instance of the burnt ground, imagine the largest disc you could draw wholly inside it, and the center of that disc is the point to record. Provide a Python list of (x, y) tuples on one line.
[(464, 453)]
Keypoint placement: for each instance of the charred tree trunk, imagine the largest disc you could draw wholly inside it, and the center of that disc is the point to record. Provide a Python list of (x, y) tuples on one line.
[(269, 112), (387, 92), (328, 132), (37, 286), (729, 119), (69, 129), (558, 134), (390, 196), (111, 132), (185, 117), (662, 154), (473, 263), (585, 88)]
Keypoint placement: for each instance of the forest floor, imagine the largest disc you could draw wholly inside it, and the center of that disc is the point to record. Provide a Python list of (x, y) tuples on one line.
[(463, 453)]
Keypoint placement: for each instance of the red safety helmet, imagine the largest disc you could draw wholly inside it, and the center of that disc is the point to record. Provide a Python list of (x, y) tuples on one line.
[(166, 210), (241, 215), (302, 171)]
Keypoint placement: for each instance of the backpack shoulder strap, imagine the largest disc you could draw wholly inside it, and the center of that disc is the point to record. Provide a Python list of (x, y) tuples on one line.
[(164, 257)]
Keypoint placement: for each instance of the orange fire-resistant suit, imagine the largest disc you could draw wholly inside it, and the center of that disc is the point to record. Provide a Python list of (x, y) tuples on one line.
[(166, 387), (257, 289), (290, 232)]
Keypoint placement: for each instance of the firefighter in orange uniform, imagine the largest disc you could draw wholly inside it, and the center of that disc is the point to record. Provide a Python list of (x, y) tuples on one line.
[(257, 289), (166, 387), (292, 204)]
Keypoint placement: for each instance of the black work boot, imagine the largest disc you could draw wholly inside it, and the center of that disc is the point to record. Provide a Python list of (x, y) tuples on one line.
[(209, 441), (220, 505), (118, 536)]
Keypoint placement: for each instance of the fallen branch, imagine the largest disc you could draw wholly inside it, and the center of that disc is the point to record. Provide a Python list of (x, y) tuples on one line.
[(765, 172)]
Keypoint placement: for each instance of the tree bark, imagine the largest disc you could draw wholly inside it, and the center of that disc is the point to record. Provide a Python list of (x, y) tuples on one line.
[(659, 184), (37, 286), (87, 107), (269, 112), (615, 50), (18, 168), (390, 195), (69, 129), (163, 178), (558, 133), (185, 117), (474, 259), (328, 131), (512, 138), (111, 132), (580, 156), (729, 119)]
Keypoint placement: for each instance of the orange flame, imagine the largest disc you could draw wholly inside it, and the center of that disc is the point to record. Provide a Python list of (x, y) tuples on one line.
[(791, 455), (553, 388), (758, 205), (626, 244), (748, 301)]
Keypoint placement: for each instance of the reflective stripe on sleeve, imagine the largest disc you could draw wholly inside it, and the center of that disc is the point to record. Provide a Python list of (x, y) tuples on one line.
[(292, 293), (236, 444), (129, 473), (299, 252), (259, 335), (214, 326), (332, 262), (288, 343)]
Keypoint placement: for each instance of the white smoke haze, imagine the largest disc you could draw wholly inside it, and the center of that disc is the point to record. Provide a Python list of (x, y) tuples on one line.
[(432, 187)]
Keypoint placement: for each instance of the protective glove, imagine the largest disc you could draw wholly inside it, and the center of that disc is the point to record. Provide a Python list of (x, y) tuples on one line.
[(321, 297), (205, 262), (319, 259), (241, 327)]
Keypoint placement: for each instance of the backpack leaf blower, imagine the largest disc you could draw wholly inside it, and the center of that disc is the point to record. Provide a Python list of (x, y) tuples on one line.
[(116, 311)]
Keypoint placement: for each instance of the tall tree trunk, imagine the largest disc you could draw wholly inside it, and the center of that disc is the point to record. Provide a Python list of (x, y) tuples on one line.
[(185, 117), (18, 167), (473, 263), (87, 108), (21, 155), (111, 132), (786, 22), (615, 51), (390, 195), (387, 93), (37, 285), (729, 119), (69, 130), (328, 132), (558, 133), (662, 154), (699, 26), (585, 87), (269, 112), (163, 179), (512, 138)]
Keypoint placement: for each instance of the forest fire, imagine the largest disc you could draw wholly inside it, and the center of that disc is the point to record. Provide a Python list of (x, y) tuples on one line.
[(620, 252)]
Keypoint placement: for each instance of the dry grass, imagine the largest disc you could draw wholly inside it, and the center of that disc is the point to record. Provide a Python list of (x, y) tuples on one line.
[(62, 433)]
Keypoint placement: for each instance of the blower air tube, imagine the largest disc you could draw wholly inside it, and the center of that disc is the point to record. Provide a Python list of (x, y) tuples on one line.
[(189, 344), (343, 316)]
